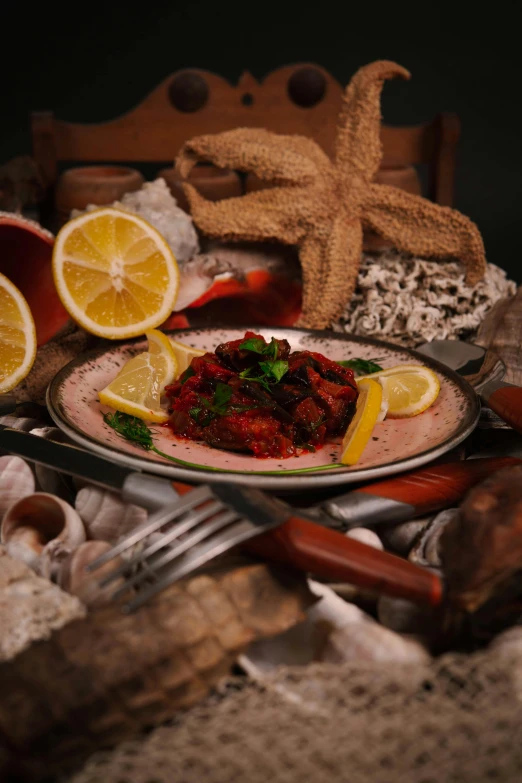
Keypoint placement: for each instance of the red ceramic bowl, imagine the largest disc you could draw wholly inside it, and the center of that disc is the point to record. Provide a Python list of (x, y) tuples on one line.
[(26, 259)]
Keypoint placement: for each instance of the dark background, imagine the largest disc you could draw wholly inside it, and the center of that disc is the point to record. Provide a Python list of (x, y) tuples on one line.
[(92, 62)]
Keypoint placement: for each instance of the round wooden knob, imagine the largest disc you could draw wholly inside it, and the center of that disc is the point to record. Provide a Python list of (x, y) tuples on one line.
[(188, 91), (307, 87)]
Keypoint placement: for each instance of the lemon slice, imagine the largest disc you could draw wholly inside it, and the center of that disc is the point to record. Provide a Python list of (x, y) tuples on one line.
[(184, 355), (137, 388), (17, 336), (114, 273), (409, 389), (362, 425)]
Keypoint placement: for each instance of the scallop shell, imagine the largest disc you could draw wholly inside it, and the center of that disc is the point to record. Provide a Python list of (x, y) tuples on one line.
[(16, 481), (42, 530), (105, 515)]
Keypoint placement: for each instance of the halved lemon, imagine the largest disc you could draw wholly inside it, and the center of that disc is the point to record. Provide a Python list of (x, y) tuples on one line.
[(184, 355), (360, 429), (17, 336), (137, 388), (114, 273), (409, 389)]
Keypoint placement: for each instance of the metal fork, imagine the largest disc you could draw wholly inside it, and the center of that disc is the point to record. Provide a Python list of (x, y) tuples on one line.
[(205, 523), (209, 521)]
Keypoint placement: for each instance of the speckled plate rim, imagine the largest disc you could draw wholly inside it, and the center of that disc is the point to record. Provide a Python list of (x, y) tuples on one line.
[(284, 482)]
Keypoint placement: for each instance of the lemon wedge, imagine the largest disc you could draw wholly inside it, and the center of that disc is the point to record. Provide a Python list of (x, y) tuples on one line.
[(368, 409), (17, 336), (408, 389), (184, 355), (137, 388), (114, 273)]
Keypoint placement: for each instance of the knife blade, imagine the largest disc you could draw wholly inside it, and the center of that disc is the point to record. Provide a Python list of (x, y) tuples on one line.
[(412, 494), (138, 487), (298, 543)]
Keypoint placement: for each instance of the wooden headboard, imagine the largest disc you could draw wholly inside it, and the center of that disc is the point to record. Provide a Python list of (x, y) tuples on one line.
[(302, 98)]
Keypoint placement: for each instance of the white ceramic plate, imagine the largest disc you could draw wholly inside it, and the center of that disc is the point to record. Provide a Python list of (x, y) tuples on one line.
[(397, 444)]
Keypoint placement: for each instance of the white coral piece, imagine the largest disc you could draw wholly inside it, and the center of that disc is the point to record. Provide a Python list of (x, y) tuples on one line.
[(410, 301), (155, 203)]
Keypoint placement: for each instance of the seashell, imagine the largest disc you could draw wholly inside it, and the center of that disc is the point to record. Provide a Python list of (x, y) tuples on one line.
[(400, 538), (16, 481), (302, 644), (365, 536), (105, 515), (402, 616), (42, 530), (368, 641), (426, 550), (47, 479), (74, 579)]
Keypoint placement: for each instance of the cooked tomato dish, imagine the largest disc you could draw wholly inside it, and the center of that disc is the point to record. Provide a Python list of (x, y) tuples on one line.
[(262, 398)]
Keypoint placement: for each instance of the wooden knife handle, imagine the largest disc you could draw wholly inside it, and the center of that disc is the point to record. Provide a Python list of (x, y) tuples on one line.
[(439, 486), (326, 553), (507, 403)]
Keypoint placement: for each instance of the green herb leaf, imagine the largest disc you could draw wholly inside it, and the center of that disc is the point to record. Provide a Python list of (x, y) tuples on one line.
[(254, 344), (131, 428), (274, 369), (189, 372), (221, 396), (272, 348), (257, 345), (361, 366)]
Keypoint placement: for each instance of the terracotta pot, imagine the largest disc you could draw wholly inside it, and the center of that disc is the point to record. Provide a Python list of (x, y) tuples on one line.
[(25, 258), (212, 182), (78, 187)]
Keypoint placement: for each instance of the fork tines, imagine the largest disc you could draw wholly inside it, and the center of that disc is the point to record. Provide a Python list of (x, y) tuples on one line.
[(185, 536)]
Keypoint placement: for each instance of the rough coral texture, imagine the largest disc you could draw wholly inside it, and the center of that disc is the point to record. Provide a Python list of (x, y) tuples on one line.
[(410, 301), (323, 205)]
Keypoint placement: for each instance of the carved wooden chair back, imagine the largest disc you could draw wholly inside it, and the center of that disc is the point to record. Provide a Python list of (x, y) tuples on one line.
[(303, 99)]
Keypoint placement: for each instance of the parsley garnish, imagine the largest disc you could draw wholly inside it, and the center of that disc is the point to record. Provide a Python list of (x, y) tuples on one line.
[(258, 345), (218, 406), (266, 373), (189, 372), (361, 366)]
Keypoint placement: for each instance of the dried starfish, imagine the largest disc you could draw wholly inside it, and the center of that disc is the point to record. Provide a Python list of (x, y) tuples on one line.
[(322, 206)]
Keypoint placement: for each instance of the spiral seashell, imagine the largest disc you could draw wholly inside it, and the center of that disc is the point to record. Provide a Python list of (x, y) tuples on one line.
[(16, 481), (41, 530), (73, 578), (105, 515)]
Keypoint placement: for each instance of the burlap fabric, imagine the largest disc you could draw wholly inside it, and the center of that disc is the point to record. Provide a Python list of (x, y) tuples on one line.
[(456, 720)]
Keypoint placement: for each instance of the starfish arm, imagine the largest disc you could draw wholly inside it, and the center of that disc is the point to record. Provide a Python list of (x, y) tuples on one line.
[(280, 159), (422, 228), (358, 148), (263, 215), (338, 257)]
